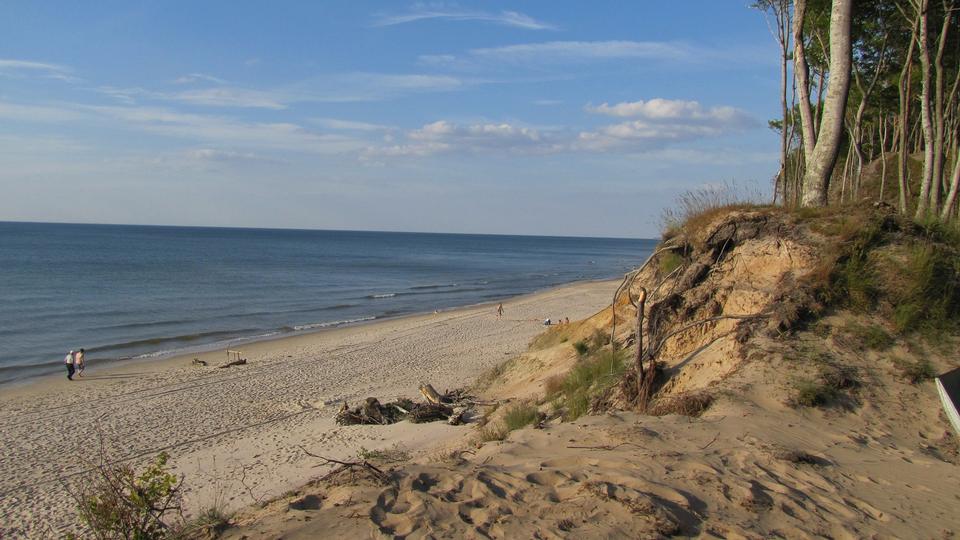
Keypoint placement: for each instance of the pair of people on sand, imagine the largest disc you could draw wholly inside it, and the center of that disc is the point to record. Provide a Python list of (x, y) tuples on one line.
[(74, 362)]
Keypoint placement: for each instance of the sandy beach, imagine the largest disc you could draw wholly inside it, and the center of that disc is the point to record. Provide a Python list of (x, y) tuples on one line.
[(250, 422)]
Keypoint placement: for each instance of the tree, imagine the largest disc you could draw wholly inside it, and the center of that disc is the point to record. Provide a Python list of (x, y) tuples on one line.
[(821, 146)]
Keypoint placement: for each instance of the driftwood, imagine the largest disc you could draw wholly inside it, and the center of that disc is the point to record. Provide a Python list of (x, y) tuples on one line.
[(364, 465), (430, 394), (451, 406), (199, 362), (239, 362)]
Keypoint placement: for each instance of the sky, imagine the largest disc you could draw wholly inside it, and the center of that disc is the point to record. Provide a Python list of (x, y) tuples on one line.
[(538, 117)]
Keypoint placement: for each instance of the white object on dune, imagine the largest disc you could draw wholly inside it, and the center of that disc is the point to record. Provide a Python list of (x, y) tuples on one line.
[(948, 386)]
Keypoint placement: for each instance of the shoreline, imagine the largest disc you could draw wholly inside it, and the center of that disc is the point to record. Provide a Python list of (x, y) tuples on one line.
[(119, 365), (252, 422)]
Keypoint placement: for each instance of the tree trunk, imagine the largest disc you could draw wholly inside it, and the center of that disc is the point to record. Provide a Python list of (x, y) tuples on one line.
[(823, 158), (904, 86), (926, 121)]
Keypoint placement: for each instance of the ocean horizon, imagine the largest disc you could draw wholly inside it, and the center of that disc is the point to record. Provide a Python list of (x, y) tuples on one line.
[(129, 292)]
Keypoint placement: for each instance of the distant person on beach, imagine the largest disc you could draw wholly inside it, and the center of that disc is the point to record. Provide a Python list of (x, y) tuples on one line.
[(68, 360), (500, 310), (566, 320), (78, 360)]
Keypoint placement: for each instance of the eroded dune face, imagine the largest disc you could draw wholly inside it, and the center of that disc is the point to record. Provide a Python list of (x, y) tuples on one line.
[(878, 459)]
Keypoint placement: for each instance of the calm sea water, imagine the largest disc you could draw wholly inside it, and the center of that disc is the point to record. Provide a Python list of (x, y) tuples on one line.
[(125, 292)]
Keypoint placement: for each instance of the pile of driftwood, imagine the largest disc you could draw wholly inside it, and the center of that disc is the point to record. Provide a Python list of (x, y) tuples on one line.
[(450, 406)]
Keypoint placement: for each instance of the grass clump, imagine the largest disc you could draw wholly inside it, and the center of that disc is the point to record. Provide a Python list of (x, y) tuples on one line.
[(929, 296), (520, 416), (870, 336), (692, 404), (582, 347), (394, 454), (116, 501), (915, 371), (695, 209), (493, 432), (585, 380), (809, 393), (668, 262)]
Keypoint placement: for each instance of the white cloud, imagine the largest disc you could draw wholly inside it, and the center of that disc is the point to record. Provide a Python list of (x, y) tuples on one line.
[(660, 121), (581, 51), (505, 18), (15, 68), (227, 97), (447, 137), (214, 154), (227, 131), (349, 125), (196, 77), (37, 113), (671, 109)]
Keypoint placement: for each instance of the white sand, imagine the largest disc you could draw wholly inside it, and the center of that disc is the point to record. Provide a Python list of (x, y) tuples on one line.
[(248, 422)]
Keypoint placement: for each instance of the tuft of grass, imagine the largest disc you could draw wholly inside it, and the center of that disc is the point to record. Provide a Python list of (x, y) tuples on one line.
[(915, 371), (394, 454), (209, 523), (520, 415), (808, 393), (493, 432), (598, 339), (492, 375), (870, 336), (668, 262), (929, 296), (695, 209), (691, 404), (585, 380), (553, 386), (582, 347)]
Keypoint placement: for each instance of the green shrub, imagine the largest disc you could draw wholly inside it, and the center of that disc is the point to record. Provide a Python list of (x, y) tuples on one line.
[(519, 416), (587, 379), (598, 339), (812, 393), (915, 371), (117, 502), (929, 297), (493, 432), (668, 262), (871, 336), (581, 347)]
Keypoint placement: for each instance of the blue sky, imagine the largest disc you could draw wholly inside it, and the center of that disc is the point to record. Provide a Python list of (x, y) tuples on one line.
[(552, 117)]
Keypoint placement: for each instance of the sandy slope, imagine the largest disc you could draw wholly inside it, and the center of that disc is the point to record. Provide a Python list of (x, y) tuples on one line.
[(224, 425)]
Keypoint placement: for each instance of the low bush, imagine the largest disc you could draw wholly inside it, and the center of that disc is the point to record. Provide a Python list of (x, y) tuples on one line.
[(585, 380), (117, 502), (915, 371), (519, 416), (808, 393), (581, 347), (691, 404)]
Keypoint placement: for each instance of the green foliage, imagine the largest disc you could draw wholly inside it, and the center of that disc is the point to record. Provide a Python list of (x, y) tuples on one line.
[(598, 339), (668, 262), (493, 432), (930, 295), (585, 380), (810, 393), (581, 347), (915, 371), (116, 502), (520, 415), (870, 336), (394, 454)]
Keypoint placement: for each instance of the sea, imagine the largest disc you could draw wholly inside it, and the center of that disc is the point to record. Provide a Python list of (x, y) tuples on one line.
[(127, 293)]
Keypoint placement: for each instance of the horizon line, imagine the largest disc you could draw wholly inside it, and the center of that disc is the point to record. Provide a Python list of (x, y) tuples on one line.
[(2, 221)]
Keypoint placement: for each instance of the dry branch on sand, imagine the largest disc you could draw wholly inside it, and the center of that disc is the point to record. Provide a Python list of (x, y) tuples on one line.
[(450, 406)]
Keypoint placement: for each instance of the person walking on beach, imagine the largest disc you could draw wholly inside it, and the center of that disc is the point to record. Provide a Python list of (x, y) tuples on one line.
[(78, 360), (68, 360), (500, 311)]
